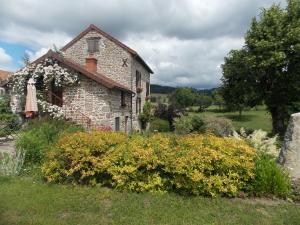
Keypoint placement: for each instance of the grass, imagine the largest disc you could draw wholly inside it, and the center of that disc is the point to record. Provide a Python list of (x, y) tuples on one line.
[(23, 201), (252, 119)]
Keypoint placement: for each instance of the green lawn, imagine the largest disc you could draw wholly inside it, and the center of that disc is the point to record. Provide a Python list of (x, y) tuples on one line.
[(23, 201), (251, 119)]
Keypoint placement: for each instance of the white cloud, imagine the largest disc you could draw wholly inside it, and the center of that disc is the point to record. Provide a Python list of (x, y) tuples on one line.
[(35, 55), (5, 60), (184, 41)]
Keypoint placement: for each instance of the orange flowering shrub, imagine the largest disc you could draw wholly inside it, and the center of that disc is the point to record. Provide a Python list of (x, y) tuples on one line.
[(193, 164)]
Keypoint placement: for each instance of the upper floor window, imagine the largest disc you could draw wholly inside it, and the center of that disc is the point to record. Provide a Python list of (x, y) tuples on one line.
[(93, 44), (123, 102), (138, 79)]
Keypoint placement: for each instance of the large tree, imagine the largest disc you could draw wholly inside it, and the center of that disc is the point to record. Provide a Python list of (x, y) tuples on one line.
[(236, 91), (272, 59)]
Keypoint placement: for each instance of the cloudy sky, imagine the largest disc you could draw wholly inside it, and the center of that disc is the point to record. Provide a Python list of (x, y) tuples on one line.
[(184, 41)]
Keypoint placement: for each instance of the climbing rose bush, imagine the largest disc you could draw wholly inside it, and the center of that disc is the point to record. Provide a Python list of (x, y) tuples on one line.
[(192, 164), (43, 75)]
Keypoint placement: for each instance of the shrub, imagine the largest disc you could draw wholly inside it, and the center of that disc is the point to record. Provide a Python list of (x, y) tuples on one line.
[(192, 164), (11, 164), (269, 178), (146, 116), (210, 165), (79, 157), (183, 125), (219, 126), (7, 118), (188, 124), (159, 125), (259, 139), (37, 138)]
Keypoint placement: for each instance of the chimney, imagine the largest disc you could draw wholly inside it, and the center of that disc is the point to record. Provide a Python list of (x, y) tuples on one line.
[(91, 64)]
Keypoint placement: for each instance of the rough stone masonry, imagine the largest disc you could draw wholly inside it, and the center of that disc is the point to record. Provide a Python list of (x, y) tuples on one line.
[(290, 153)]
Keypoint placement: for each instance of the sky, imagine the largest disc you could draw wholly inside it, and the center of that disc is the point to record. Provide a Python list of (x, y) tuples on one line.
[(183, 41)]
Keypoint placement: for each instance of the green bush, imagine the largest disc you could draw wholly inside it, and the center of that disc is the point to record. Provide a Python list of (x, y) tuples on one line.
[(191, 164), (183, 125), (7, 118), (159, 125), (219, 126), (269, 178), (39, 135), (188, 124)]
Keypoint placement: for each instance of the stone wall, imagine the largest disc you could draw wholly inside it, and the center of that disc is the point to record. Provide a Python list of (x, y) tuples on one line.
[(91, 100), (110, 58)]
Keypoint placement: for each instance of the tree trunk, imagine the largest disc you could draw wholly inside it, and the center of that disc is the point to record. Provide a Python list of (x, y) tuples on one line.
[(277, 122)]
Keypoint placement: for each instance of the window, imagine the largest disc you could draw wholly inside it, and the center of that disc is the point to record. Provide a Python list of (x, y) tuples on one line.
[(117, 124), (123, 103), (138, 79), (147, 89), (138, 105), (93, 44)]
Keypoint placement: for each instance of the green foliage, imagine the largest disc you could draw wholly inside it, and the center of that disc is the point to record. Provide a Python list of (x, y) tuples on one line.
[(269, 63), (146, 116), (183, 97), (189, 124), (192, 164), (7, 118), (203, 101), (160, 125), (236, 91), (36, 139), (269, 178), (11, 163), (219, 126)]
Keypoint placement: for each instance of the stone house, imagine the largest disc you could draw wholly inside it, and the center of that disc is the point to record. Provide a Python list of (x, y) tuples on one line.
[(114, 81), (4, 75)]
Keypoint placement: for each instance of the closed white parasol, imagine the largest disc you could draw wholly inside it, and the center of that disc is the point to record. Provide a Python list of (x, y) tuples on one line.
[(31, 102)]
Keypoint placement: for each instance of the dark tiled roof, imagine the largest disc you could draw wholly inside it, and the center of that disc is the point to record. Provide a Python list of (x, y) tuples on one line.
[(117, 42), (98, 77)]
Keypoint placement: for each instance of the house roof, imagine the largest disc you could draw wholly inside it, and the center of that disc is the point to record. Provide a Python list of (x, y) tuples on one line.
[(98, 77), (111, 38), (4, 75)]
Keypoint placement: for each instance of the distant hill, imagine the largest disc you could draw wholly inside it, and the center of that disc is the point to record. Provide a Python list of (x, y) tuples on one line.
[(160, 89)]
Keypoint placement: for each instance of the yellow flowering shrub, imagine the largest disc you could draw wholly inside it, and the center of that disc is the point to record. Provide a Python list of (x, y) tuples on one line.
[(193, 164), (78, 157)]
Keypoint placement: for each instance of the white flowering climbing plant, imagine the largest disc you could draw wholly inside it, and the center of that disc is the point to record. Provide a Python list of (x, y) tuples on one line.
[(44, 75)]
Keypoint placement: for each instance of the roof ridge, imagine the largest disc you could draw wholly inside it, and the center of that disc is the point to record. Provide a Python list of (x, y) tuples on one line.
[(111, 38)]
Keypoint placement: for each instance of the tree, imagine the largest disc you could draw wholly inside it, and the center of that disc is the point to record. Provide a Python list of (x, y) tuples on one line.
[(183, 97), (218, 98), (236, 91), (203, 101), (272, 61)]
